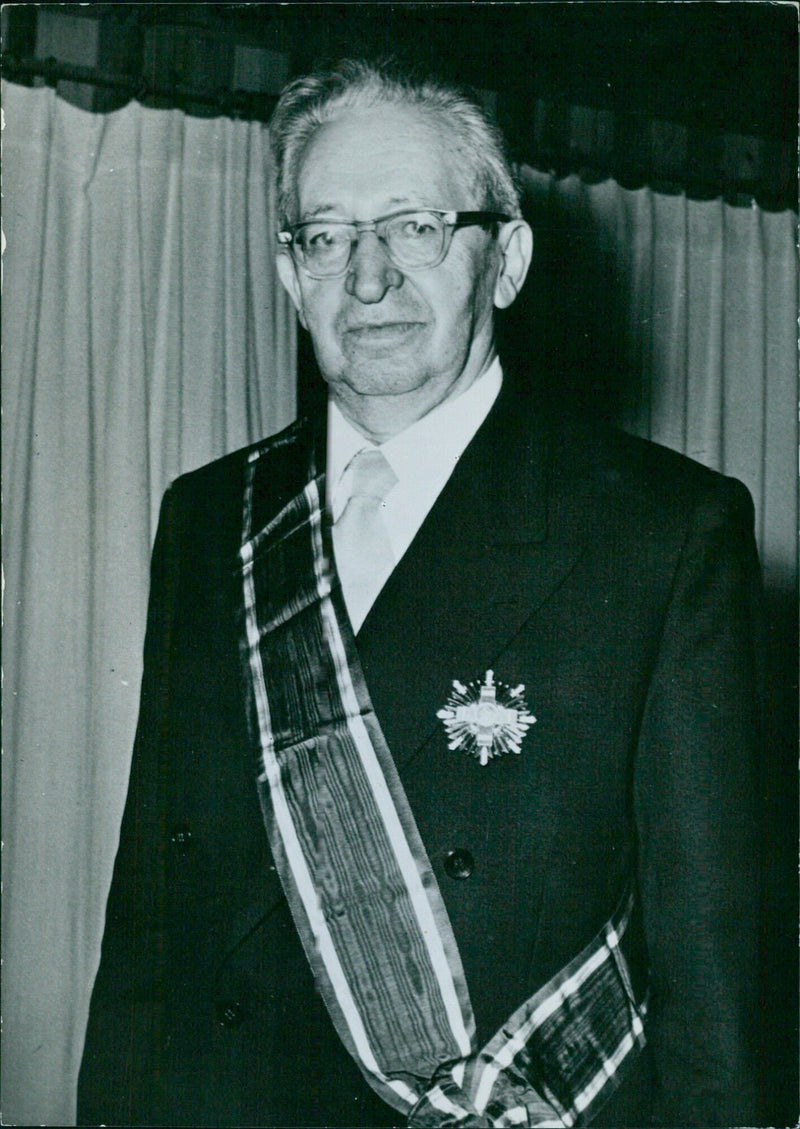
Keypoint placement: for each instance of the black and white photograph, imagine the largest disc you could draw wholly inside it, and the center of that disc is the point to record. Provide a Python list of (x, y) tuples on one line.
[(400, 564)]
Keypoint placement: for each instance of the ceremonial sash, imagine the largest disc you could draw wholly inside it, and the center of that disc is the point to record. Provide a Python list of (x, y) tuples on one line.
[(361, 888)]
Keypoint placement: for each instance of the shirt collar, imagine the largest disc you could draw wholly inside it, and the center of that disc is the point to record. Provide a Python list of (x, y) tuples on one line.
[(427, 449)]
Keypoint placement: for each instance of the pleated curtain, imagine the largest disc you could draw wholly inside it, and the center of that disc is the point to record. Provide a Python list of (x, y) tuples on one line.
[(144, 334), (708, 295)]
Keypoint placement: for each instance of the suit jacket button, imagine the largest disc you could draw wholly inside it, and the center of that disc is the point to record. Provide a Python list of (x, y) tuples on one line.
[(459, 863), (230, 1013), (181, 837)]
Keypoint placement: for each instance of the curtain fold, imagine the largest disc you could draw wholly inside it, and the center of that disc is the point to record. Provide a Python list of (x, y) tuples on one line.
[(144, 334)]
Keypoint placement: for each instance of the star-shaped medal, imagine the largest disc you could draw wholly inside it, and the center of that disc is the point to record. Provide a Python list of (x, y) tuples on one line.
[(486, 719)]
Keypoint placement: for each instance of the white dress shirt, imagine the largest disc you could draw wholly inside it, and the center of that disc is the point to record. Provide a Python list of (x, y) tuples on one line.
[(423, 457)]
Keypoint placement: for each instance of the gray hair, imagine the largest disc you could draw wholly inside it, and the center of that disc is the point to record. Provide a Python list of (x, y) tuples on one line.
[(313, 100)]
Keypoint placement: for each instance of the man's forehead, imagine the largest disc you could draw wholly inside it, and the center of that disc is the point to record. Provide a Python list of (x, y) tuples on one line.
[(384, 157)]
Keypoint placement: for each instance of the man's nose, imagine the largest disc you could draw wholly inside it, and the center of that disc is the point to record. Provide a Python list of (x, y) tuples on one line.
[(371, 272)]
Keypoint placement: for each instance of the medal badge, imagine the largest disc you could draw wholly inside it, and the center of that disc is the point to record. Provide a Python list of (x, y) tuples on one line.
[(486, 719)]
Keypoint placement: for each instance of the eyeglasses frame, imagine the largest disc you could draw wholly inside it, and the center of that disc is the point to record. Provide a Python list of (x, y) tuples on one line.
[(451, 220)]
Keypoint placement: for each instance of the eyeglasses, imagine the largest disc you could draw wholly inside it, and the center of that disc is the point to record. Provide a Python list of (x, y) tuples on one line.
[(414, 240)]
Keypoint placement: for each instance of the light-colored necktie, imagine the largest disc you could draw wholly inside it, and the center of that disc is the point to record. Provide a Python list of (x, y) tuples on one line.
[(364, 557)]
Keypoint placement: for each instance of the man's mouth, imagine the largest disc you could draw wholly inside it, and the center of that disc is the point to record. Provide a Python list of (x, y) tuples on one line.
[(380, 331)]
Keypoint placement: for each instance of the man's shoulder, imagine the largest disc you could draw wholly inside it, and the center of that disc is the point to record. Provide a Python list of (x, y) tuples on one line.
[(226, 472), (642, 474), (594, 462), (206, 504)]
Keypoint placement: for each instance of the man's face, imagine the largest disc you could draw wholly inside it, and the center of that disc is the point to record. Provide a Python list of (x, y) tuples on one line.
[(380, 331)]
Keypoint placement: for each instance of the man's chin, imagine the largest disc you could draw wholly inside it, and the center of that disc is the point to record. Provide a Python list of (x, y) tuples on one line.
[(383, 380), (386, 369)]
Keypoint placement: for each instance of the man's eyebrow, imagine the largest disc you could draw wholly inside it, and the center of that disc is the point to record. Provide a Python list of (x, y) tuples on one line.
[(393, 202), (319, 210)]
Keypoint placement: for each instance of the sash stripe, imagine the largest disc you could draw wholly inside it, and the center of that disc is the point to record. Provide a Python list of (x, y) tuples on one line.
[(426, 915), (562, 1005), (361, 888), (358, 955), (288, 841)]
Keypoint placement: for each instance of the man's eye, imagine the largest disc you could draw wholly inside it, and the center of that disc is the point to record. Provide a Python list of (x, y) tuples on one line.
[(417, 227), (322, 237)]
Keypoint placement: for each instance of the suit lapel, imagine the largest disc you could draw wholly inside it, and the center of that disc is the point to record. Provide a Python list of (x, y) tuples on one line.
[(504, 533), (506, 530)]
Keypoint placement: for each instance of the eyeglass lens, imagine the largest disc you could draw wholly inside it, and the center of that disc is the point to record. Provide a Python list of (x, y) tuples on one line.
[(413, 239)]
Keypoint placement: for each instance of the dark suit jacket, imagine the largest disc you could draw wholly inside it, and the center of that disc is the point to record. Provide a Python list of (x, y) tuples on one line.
[(619, 582)]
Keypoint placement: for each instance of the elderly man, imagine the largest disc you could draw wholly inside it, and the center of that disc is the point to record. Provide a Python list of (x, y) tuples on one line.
[(441, 805)]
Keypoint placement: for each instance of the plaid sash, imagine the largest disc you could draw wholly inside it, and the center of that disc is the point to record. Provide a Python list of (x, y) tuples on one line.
[(361, 888)]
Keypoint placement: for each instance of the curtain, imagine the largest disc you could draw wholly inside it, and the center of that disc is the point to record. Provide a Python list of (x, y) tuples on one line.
[(693, 304), (144, 334)]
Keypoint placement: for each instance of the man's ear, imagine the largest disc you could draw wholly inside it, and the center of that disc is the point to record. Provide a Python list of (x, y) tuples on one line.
[(515, 240), (287, 273)]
